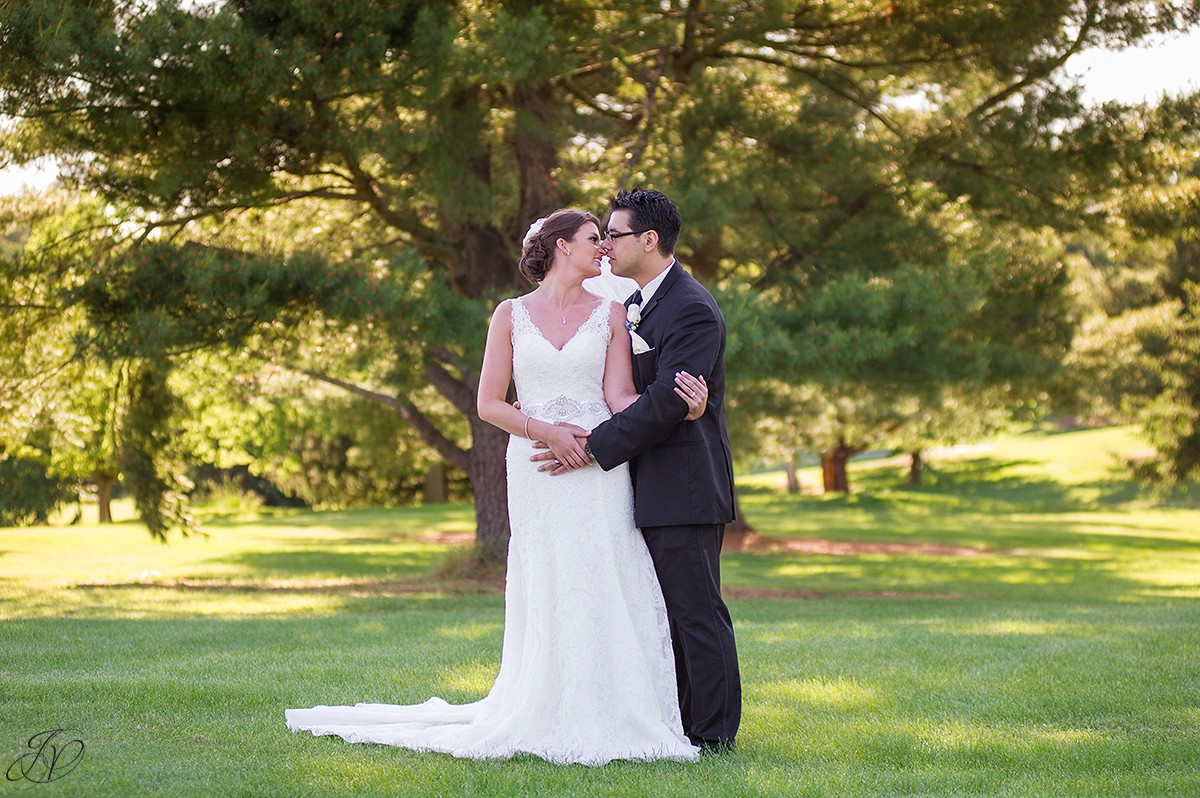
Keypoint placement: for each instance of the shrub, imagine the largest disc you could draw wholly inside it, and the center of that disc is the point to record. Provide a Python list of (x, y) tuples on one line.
[(28, 493)]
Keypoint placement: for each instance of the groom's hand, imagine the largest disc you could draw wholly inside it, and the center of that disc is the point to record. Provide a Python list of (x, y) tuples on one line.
[(566, 449)]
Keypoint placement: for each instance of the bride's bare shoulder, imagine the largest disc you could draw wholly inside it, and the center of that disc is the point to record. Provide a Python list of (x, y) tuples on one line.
[(616, 315), (503, 311)]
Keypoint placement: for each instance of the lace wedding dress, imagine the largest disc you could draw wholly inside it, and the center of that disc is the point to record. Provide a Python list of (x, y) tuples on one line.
[(587, 673)]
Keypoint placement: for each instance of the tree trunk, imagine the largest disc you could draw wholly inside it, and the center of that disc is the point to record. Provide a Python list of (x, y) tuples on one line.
[(534, 138), (705, 259), (434, 489), (739, 522), (485, 266), (914, 469), (793, 482), (104, 486), (833, 468), (489, 481)]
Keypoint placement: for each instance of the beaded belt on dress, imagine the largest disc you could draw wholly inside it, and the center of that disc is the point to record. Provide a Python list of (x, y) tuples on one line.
[(564, 408)]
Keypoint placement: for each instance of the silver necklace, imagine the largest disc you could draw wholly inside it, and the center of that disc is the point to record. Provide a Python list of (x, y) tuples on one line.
[(562, 313)]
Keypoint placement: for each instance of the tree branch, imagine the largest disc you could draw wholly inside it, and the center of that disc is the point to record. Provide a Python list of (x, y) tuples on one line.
[(31, 306), (460, 392), (450, 451), (367, 185), (425, 429), (638, 150), (819, 78), (567, 83), (1040, 74), (420, 423)]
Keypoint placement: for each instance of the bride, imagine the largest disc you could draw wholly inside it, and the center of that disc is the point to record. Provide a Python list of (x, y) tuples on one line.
[(587, 673)]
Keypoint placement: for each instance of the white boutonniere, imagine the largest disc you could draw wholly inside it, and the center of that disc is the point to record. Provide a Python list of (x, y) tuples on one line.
[(639, 343), (633, 317)]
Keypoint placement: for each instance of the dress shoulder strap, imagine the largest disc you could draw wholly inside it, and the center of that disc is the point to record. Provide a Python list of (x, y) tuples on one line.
[(522, 323), (598, 320)]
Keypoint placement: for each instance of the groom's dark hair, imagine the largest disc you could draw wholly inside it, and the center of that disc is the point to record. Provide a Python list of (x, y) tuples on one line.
[(651, 210)]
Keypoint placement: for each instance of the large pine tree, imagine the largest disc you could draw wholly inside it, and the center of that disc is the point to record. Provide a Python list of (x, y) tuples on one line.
[(808, 143)]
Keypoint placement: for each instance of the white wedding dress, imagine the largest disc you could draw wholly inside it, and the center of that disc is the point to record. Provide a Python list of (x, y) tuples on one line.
[(587, 674)]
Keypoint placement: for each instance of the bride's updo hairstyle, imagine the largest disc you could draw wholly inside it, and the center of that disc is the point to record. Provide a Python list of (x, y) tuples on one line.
[(537, 252)]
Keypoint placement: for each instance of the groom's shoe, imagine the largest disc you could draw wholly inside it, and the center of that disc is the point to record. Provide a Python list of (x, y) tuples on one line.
[(708, 747)]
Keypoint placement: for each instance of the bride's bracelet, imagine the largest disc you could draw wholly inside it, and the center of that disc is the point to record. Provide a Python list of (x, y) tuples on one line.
[(527, 427)]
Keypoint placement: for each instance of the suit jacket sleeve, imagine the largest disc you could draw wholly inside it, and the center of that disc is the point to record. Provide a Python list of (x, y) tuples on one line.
[(692, 343)]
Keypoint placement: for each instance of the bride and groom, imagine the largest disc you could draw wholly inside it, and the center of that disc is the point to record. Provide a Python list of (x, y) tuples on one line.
[(617, 643)]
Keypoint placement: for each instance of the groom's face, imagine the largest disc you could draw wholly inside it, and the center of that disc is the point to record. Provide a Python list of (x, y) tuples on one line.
[(623, 251)]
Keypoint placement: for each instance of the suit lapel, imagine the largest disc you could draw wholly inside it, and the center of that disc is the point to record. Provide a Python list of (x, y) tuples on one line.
[(673, 272)]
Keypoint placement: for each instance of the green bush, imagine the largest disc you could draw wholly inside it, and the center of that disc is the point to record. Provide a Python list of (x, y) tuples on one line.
[(28, 493)]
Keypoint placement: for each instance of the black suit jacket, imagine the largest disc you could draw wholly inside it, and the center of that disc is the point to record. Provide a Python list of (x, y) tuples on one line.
[(682, 471)]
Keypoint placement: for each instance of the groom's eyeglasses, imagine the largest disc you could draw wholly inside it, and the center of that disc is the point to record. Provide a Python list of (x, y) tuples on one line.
[(609, 234)]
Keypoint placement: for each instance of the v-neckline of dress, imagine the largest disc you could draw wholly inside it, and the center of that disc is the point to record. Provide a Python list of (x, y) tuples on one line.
[(574, 335)]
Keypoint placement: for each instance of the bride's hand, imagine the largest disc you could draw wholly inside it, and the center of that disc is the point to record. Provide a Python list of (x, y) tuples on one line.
[(565, 442), (694, 391)]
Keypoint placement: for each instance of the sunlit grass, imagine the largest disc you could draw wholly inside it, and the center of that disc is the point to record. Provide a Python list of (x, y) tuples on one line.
[(281, 563), (1049, 649)]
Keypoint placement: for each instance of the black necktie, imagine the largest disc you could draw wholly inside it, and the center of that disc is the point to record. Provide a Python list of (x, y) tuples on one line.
[(636, 299)]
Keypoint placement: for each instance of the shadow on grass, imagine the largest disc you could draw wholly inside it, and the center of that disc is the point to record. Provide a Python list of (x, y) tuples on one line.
[(998, 485), (1018, 536), (952, 492), (871, 518), (1034, 538), (985, 485), (397, 520), (1007, 578), (385, 563), (366, 544)]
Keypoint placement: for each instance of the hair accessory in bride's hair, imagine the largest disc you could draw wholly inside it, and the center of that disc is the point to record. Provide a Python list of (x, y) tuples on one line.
[(532, 231)]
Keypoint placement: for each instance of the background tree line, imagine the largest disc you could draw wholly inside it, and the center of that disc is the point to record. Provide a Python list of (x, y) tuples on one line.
[(895, 204)]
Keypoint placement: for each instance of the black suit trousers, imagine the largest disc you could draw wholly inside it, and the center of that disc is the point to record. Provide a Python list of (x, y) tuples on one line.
[(706, 667)]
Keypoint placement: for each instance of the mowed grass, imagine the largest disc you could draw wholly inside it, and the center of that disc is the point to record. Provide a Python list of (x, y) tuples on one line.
[(1024, 624)]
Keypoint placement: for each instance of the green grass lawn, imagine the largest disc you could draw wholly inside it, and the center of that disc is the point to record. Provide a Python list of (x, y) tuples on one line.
[(1025, 623)]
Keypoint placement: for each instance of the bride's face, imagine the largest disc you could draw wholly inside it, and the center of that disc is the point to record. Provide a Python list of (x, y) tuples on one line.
[(584, 248)]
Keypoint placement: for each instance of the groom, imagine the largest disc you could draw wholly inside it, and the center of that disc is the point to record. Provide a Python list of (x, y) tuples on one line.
[(682, 471)]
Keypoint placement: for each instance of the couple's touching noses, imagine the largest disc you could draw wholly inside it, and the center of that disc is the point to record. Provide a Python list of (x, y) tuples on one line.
[(617, 642)]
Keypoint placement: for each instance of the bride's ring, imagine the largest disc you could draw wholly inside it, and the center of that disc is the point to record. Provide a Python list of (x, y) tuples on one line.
[(557, 463)]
